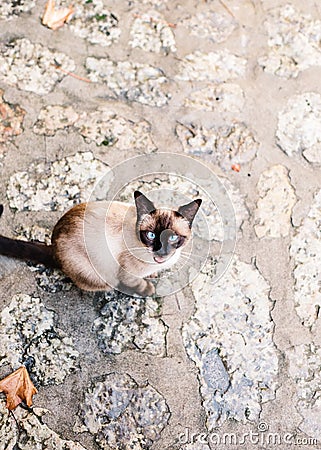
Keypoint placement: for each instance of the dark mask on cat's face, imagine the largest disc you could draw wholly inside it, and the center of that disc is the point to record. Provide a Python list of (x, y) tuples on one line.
[(164, 231)]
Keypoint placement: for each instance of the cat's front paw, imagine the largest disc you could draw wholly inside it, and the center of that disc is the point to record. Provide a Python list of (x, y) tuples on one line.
[(153, 275), (148, 289)]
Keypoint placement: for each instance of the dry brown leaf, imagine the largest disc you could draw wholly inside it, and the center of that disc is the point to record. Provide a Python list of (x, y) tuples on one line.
[(55, 19), (18, 388)]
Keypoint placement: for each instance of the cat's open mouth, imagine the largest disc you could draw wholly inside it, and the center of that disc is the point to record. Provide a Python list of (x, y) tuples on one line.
[(161, 259)]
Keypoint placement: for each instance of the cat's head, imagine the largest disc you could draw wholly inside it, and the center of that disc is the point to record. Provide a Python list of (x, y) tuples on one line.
[(164, 231)]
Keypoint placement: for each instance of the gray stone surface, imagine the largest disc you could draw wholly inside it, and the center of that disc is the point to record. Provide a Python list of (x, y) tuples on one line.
[(123, 414), (235, 85)]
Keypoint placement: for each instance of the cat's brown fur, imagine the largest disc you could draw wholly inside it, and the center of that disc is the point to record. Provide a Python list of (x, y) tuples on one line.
[(100, 245)]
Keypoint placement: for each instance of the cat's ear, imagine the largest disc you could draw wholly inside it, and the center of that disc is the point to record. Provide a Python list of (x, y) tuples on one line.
[(143, 205), (189, 211)]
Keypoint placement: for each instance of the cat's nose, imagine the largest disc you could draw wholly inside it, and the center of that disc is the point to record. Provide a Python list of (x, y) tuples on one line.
[(161, 252)]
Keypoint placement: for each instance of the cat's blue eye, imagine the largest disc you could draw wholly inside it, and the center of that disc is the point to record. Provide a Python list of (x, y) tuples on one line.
[(173, 238), (150, 235)]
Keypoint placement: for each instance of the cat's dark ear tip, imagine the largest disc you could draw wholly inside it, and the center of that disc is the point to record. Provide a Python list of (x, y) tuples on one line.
[(198, 201), (137, 194)]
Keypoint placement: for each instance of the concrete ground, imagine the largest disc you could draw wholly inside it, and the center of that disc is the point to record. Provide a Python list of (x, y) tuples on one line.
[(232, 360)]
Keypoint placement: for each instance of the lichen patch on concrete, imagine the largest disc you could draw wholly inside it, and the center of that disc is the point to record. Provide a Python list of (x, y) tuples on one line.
[(225, 145), (274, 207), (152, 33), (53, 118), (299, 127), (305, 251), (294, 40), (31, 66), (130, 323), (28, 336), (215, 66), (212, 25), (32, 434), (221, 98), (10, 9), (230, 339), (107, 128), (132, 81), (304, 369), (102, 126), (94, 22), (123, 414), (11, 120), (57, 185)]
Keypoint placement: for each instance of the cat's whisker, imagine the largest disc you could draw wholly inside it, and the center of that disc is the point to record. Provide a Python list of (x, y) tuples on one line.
[(191, 255), (190, 261), (137, 248)]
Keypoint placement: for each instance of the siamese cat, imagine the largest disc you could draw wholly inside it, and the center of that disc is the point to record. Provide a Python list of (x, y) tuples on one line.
[(104, 245)]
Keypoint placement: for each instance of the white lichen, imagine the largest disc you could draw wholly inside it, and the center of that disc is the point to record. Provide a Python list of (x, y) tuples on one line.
[(122, 414), (32, 67), (57, 185), (132, 81), (215, 66), (294, 41), (305, 251), (274, 207), (92, 21), (221, 98), (27, 335), (230, 339), (11, 120), (32, 434), (106, 128), (10, 9), (152, 33), (130, 323), (225, 145), (304, 369), (212, 25), (299, 127), (53, 118)]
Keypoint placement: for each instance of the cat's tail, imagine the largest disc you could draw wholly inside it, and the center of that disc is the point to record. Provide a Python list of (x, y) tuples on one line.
[(36, 252)]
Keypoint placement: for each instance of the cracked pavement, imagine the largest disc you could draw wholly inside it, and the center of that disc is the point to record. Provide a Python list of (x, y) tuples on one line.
[(236, 85)]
